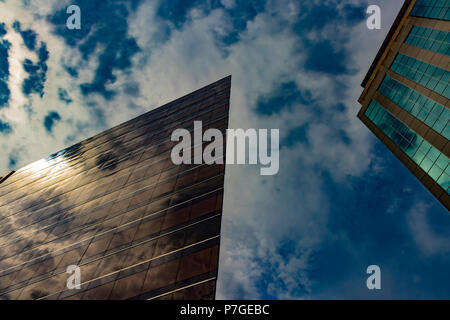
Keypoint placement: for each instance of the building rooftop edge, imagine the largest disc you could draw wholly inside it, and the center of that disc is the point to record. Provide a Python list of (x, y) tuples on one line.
[(226, 79), (386, 41)]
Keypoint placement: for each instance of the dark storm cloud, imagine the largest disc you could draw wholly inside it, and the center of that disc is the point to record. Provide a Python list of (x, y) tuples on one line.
[(103, 24), (50, 120)]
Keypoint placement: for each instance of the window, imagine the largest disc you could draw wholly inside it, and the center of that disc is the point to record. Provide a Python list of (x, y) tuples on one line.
[(430, 159), (429, 39), (434, 9), (428, 111), (427, 75)]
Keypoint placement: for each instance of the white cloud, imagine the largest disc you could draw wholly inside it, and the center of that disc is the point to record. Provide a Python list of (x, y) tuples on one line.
[(428, 241), (26, 114), (228, 3), (259, 213)]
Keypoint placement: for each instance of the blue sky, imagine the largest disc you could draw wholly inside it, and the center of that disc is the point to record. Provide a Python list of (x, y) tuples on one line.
[(341, 200)]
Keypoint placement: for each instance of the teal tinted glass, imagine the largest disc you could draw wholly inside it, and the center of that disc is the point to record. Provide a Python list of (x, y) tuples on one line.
[(427, 75), (428, 111), (434, 9), (429, 39), (431, 160)]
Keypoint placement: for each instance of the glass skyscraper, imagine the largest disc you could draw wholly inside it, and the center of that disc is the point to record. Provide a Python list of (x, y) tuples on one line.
[(405, 101), (136, 225)]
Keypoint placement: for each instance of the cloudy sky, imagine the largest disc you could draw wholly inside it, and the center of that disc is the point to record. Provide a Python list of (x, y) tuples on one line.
[(341, 200)]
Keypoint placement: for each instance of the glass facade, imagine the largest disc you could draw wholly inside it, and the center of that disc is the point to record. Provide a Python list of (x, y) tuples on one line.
[(427, 75), (430, 159), (417, 81), (429, 39), (137, 226), (433, 9), (423, 108)]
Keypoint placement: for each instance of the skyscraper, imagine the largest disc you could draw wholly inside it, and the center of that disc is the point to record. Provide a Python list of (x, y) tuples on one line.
[(405, 101), (115, 206)]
